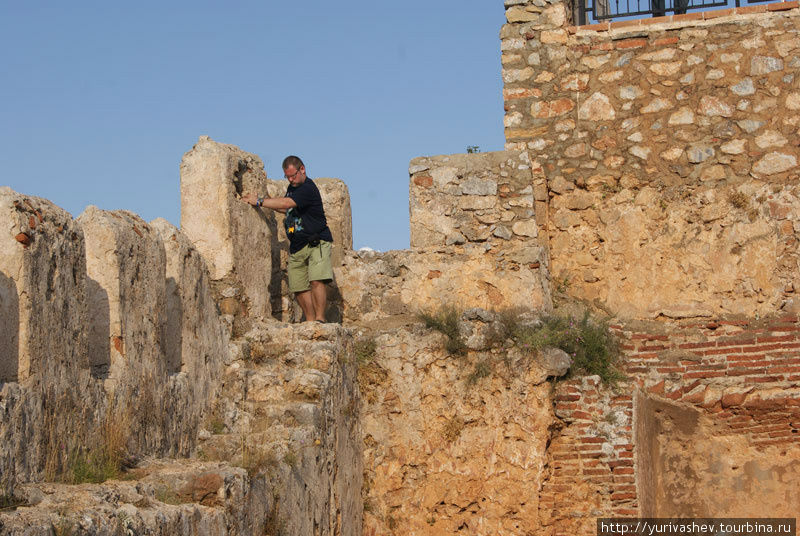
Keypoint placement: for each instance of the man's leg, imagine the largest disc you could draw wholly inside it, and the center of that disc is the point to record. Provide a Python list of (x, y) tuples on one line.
[(298, 282), (319, 273), (306, 303), (319, 297)]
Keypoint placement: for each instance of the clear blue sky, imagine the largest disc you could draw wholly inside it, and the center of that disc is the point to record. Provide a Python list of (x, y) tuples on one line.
[(101, 99)]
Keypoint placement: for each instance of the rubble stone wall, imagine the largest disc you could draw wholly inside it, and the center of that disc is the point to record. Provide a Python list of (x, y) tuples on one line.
[(664, 154), (405, 282), (443, 453)]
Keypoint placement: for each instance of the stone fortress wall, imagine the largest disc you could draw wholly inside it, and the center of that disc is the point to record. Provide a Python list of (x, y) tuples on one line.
[(648, 171)]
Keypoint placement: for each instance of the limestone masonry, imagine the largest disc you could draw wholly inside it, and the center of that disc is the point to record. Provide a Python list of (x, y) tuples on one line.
[(650, 175)]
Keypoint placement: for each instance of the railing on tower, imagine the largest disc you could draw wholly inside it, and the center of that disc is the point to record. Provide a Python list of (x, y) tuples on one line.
[(591, 11)]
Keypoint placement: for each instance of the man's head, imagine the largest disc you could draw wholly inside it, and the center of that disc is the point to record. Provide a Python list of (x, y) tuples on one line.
[(294, 170)]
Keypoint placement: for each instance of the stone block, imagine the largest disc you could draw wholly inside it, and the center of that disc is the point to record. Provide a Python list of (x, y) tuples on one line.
[(235, 238), (195, 342), (42, 288), (377, 285), (125, 267)]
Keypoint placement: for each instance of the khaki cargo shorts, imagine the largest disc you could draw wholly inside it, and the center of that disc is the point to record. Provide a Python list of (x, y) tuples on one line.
[(310, 264)]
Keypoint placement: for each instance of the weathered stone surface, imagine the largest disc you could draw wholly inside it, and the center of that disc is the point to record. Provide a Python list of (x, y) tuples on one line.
[(684, 116), (743, 88), (597, 108), (630, 92), (40, 335), (793, 101), (668, 68), (195, 342), (656, 105), (699, 153), (376, 285), (771, 138), (466, 194), (222, 227), (761, 65), (774, 162), (45, 383), (421, 412), (733, 147), (712, 106)]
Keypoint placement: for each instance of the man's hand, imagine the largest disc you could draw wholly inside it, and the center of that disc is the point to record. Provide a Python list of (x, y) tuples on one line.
[(250, 198)]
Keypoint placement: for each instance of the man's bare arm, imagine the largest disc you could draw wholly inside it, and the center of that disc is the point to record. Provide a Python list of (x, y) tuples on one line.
[(279, 204)]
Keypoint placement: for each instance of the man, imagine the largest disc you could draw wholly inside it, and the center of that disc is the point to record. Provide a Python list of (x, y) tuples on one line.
[(310, 238)]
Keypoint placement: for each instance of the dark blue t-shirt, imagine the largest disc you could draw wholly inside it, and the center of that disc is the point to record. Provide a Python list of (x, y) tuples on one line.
[(307, 222)]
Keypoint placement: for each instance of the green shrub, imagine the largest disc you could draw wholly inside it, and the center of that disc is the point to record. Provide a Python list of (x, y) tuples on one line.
[(445, 320), (593, 348)]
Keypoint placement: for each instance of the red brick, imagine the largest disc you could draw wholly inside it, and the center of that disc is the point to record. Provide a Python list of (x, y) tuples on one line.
[(625, 24), (603, 46), (782, 370), (762, 348), (621, 463), (687, 17), (592, 440), (790, 317), (626, 454), (622, 496), (625, 44), (784, 328), (623, 471), (599, 27), (704, 374), (665, 41), (718, 13), (693, 345), (776, 338), (763, 379), (736, 342), (726, 351), (425, 182), (596, 472), (656, 20), (751, 9), (567, 398), (739, 359)]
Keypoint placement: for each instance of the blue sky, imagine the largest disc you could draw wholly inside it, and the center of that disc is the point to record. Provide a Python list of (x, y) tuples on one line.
[(101, 99)]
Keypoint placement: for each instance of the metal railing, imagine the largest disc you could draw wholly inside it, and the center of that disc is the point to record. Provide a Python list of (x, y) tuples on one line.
[(591, 11)]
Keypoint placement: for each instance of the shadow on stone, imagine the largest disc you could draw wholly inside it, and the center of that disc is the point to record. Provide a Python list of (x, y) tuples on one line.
[(99, 329), (9, 330), (173, 336)]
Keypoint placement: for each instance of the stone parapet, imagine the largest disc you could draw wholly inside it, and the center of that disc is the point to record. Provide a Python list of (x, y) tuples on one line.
[(485, 197), (235, 238), (374, 285)]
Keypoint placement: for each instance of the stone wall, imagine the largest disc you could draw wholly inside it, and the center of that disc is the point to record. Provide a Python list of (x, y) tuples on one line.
[(93, 336), (485, 198), (707, 427), (378, 285), (665, 153), (444, 453), (48, 400)]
